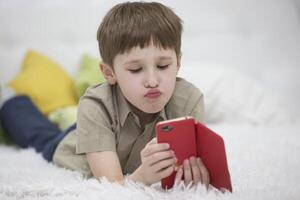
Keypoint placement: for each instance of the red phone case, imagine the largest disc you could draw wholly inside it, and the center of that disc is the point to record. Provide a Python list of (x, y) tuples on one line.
[(211, 150), (187, 139), (181, 135)]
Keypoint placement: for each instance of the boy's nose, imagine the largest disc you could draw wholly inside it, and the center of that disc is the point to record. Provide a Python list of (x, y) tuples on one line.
[(151, 80)]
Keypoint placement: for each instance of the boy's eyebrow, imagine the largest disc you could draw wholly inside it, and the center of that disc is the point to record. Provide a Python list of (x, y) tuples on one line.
[(134, 61), (165, 58)]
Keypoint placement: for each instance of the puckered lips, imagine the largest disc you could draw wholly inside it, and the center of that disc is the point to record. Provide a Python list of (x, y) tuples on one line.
[(152, 94)]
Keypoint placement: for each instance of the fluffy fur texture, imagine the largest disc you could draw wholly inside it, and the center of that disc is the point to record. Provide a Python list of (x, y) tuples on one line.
[(263, 162)]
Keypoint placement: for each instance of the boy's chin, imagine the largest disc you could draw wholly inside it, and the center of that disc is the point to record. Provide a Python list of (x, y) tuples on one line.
[(152, 110)]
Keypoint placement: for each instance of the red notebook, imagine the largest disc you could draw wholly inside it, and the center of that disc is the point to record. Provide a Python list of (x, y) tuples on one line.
[(189, 138)]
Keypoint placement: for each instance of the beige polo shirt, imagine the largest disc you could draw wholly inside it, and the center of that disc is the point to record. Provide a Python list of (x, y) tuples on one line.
[(105, 122)]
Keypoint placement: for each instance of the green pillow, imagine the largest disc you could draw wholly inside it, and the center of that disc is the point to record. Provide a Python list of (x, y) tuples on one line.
[(4, 139), (64, 117), (89, 74)]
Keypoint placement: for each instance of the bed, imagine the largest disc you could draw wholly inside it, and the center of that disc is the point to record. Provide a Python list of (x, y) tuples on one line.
[(250, 92)]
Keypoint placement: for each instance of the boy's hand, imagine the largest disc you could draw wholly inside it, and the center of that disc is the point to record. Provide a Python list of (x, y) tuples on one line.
[(158, 162), (193, 171)]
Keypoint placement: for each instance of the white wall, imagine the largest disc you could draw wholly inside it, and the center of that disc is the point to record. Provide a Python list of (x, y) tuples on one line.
[(260, 38)]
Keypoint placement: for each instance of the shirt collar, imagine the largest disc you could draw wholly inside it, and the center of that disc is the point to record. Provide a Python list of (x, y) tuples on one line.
[(162, 114)]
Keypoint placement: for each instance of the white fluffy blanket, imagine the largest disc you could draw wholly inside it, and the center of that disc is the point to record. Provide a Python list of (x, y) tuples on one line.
[(264, 164)]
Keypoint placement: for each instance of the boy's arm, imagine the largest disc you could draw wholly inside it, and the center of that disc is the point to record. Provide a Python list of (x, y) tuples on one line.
[(105, 163), (157, 163)]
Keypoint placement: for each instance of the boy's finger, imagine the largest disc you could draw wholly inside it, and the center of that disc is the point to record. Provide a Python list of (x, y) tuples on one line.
[(159, 156), (162, 164), (166, 172), (196, 173), (151, 149), (204, 172), (178, 176), (187, 172), (153, 141)]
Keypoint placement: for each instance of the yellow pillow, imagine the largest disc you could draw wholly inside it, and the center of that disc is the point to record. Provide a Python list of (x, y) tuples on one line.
[(45, 82)]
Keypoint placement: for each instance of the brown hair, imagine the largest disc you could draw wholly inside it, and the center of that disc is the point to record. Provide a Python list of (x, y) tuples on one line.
[(132, 24)]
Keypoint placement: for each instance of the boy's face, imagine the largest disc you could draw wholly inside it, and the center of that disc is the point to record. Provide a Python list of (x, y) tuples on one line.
[(146, 76)]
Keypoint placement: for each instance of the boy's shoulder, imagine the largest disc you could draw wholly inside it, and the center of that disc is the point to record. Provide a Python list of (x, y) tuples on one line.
[(182, 83), (100, 96), (183, 89), (99, 91), (184, 99)]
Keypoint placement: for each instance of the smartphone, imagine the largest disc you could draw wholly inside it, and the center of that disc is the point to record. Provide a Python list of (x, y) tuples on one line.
[(180, 134), (190, 138)]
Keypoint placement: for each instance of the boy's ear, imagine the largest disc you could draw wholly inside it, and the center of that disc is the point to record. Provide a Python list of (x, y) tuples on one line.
[(178, 62), (108, 73)]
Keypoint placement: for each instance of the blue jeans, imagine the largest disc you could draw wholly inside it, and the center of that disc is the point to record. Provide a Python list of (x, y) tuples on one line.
[(28, 127)]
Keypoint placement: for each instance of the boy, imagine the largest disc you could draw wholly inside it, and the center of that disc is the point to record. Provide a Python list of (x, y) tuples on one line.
[(140, 46)]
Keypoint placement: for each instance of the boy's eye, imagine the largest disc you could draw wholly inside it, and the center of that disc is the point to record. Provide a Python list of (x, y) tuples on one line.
[(135, 70), (162, 66)]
